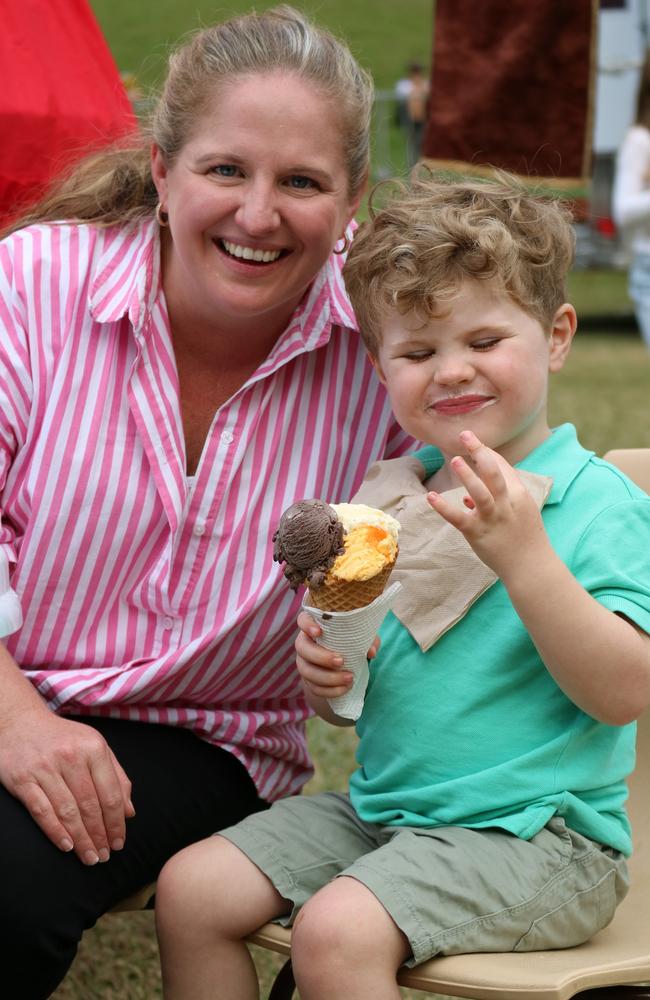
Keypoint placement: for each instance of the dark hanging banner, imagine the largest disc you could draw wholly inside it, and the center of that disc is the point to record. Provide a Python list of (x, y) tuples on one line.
[(512, 86)]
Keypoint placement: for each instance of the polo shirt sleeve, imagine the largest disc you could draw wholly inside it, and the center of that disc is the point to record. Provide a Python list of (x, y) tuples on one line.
[(612, 559)]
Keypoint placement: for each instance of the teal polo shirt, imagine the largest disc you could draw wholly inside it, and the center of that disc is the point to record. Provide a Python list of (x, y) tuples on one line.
[(475, 732)]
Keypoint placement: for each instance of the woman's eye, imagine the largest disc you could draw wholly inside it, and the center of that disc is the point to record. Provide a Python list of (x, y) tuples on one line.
[(301, 183), (225, 170)]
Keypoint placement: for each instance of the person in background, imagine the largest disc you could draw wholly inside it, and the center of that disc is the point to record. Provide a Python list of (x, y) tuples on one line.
[(180, 362), (631, 202), (487, 812), (412, 103)]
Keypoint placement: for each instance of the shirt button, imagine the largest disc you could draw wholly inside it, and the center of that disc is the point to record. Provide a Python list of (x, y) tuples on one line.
[(199, 528), (168, 622), (227, 437)]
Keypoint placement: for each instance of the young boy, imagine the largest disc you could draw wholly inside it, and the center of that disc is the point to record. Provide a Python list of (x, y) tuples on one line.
[(487, 812)]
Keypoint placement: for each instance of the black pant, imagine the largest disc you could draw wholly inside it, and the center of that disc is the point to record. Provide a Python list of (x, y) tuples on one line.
[(184, 789)]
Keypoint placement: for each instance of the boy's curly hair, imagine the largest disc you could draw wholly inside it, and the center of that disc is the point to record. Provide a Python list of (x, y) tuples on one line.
[(432, 234)]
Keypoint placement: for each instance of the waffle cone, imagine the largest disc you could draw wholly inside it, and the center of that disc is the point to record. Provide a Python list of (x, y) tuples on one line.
[(346, 595)]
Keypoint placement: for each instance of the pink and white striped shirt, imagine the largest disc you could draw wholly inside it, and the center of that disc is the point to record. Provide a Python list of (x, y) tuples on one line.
[(145, 595)]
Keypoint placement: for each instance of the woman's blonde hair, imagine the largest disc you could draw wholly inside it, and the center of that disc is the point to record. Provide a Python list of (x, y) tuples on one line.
[(432, 234), (116, 186)]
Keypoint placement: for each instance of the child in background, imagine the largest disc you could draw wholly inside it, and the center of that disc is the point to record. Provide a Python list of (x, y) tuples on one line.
[(487, 812)]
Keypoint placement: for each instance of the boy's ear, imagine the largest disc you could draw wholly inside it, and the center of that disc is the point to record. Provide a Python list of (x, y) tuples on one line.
[(563, 328)]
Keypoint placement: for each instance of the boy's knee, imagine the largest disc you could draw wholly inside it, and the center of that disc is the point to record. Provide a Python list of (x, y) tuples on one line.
[(212, 886), (325, 928), (186, 879), (345, 927)]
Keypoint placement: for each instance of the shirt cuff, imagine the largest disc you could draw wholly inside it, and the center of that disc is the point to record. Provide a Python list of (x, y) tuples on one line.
[(11, 615)]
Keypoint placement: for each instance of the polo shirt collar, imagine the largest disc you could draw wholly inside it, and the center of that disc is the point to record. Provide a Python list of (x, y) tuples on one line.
[(562, 452)]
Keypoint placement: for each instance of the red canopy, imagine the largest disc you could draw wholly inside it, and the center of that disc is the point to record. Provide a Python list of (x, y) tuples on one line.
[(60, 94)]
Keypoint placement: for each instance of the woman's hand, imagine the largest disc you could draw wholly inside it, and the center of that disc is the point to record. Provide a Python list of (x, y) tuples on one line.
[(68, 779), (322, 672), (502, 522)]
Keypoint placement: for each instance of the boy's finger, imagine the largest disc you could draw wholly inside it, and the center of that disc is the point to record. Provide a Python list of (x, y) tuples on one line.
[(457, 518), (488, 467), (494, 464), (376, 643), (308, 625), (312, 652), (478, 489), (324, 680), (330, 692)]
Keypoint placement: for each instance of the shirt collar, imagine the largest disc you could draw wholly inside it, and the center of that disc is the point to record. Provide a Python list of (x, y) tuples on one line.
[(126, 281), (562, 456), (126, 278), (324, 306)]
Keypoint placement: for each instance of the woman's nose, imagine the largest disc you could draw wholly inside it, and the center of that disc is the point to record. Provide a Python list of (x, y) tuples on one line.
[(258, 213)]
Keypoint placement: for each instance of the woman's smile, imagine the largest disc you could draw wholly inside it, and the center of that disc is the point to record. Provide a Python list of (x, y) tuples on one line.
[(248, 254), (241, 253)]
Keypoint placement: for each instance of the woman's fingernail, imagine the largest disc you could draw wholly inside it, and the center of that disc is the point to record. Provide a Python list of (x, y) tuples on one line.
[(104, 854), (90, 858), (66, 845), (117, 844)]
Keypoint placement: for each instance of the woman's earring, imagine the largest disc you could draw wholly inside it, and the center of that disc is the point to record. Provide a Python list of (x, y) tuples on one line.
[(161, 215), (346, 245)]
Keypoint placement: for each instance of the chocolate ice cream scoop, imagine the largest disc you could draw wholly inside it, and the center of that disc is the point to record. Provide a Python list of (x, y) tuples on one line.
[(308, 540)]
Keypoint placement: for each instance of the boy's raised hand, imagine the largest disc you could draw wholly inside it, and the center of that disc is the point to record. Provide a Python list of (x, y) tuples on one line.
[(502, 522)]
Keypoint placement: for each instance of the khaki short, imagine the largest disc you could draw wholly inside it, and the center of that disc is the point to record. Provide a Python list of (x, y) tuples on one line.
[(449, 889)]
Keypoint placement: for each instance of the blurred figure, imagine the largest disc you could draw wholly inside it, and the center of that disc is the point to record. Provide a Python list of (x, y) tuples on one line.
[(631, 206), (412, 97)]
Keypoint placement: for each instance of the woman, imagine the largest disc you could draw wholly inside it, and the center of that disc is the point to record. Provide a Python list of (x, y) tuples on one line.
[(180, 363), (632, 201)]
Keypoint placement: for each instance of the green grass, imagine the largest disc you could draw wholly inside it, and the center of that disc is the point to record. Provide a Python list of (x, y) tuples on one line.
[(383, 35), (604, 389), (599, 293)]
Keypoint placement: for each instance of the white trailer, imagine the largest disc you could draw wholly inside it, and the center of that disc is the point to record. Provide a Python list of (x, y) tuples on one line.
[(623, 37)]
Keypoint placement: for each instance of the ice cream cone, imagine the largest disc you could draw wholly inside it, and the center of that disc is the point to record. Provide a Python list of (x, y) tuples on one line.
[(346, 595)]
